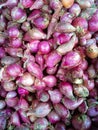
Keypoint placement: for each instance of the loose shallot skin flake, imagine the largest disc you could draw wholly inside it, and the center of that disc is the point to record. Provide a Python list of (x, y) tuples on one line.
[(48, 65)]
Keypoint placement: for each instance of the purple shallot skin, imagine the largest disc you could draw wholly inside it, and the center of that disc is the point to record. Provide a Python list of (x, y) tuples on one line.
[(48, 65)]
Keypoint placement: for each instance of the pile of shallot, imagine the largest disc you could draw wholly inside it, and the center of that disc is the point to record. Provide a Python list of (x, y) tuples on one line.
[(49, 65)]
